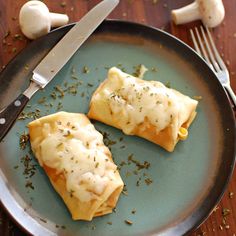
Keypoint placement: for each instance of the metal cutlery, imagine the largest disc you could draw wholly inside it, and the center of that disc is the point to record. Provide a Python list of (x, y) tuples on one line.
[(55, 60), (205, 47)]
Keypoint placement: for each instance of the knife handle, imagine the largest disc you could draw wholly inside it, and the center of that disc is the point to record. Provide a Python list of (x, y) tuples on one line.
[(9, 114)]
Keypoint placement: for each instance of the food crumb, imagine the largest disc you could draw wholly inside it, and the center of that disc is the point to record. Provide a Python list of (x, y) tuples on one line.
[(24, 138), (202, 233), (148, 181), (133, 211), (63, 4), (93, 227), (153, 69), (225, 211), (14, 50), (231, 195), (125, 192), (128, 222), (168, 84), (197, 97), (85, 70), (17, 37), (7, 34), (215, 209), (43, 220), (29, 184), (227, 227)]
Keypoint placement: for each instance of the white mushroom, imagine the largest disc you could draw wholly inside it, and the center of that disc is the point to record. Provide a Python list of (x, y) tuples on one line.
[(36, 20), (211, 12)]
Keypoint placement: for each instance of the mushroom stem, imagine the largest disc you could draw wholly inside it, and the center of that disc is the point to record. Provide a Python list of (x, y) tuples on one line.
[(58, 19), (186, 14)]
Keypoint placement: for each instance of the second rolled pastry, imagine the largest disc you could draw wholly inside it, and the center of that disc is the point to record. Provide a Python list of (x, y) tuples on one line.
[(77, 162), (144, 108)]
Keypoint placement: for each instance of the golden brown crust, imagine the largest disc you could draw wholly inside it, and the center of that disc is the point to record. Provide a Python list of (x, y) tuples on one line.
[(79, 210), (163, 138), (100, 110)]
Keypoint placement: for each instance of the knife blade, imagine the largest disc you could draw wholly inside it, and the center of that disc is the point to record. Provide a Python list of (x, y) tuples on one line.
[(71, 42), (52, 63)]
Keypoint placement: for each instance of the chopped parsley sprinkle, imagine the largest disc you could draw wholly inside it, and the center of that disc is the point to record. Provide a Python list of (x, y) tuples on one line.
[(29, 167), (29, 184), (24, 138), (137, 71), (60, 90), (125, 192), (53, 95), (85, 70), (42, 100), (74, 77), (148, 181), (29, 115), (133, 211), (43, 220), (168, 84), (90, 85)]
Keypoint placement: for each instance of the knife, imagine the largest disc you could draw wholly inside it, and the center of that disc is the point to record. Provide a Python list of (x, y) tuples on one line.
[(52, 63)]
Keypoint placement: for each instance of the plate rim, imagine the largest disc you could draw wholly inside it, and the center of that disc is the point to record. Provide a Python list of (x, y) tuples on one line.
[(201, 216)]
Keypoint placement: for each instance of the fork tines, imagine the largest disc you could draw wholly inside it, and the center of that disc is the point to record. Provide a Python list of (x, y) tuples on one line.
[(205, 46)]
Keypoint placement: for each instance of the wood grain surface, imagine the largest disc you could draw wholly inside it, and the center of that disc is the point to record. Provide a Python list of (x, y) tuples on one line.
[(150, 12)]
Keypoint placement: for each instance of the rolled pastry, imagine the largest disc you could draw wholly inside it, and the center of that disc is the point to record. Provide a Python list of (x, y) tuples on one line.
[(77, 162), (144, 108)]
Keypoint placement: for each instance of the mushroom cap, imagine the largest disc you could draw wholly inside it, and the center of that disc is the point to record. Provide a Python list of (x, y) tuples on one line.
[(34, 19), (212, 12)]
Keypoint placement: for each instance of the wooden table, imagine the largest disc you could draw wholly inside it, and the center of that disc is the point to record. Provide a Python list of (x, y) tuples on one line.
[(153, 13)]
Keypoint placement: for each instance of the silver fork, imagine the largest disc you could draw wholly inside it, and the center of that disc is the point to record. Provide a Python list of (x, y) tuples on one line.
[(205, 47)]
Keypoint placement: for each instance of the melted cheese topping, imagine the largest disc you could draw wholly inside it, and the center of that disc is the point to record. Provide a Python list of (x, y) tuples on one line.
[(79, 153), (136, 100)]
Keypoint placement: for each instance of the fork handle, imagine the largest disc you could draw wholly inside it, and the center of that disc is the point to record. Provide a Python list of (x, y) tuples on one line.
[(9, 114), (231, 93)]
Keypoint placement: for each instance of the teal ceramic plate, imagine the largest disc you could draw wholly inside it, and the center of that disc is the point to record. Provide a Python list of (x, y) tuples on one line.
[(177, 192)]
